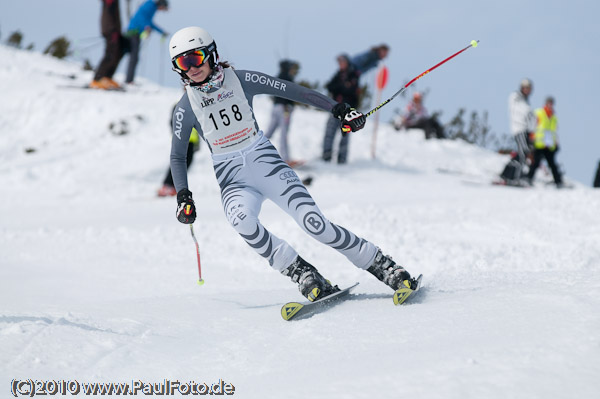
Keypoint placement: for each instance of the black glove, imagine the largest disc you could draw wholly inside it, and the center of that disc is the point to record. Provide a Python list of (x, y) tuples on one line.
[(186, 210), (352, 120)]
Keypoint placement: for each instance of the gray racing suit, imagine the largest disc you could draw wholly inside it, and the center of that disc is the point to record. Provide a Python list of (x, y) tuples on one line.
[(249, 169)]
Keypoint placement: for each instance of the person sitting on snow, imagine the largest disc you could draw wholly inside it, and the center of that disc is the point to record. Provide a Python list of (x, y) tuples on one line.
[(416, 116)]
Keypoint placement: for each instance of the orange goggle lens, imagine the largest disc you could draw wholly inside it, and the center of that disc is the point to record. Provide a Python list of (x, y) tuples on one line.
[(193, 59)]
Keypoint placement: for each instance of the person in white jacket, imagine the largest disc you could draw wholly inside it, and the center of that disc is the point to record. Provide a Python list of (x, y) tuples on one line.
[(522, 123)]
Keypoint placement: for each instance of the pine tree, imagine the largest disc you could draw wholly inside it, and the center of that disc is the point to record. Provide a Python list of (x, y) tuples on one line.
[(59, 48)]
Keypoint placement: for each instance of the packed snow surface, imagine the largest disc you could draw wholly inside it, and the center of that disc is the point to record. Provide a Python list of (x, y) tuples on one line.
[(98, 279)]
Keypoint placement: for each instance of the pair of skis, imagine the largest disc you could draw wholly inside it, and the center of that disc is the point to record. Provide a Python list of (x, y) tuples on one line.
[(304, 310), (87, 87)]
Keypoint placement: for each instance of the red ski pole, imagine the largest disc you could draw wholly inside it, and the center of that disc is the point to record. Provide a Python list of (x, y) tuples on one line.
[(200, 280), (472, 44)]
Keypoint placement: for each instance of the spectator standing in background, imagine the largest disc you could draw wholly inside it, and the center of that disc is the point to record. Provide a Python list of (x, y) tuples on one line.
[(597, 178), (545, 141), (110, 23), (282, 111), (522, 123), (343, 88), (139, 28)]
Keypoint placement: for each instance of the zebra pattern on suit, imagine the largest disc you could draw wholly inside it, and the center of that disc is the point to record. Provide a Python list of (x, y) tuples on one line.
[(247, 178)]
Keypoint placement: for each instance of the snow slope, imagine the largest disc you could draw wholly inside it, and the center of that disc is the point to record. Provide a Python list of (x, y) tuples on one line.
[(98, 279)]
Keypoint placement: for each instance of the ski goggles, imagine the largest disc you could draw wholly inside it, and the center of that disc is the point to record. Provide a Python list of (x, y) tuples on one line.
[(193, 58)]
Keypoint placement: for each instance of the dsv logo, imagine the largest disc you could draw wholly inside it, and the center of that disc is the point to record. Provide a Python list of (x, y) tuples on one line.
[(314, 223), (290, 174)]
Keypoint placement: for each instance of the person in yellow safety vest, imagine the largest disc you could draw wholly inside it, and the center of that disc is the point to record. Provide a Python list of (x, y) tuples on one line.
[(545, 141), (168, 188)]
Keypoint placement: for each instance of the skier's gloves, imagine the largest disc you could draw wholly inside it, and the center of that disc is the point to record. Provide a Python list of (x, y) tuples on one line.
[(352, 120), (186, 210)]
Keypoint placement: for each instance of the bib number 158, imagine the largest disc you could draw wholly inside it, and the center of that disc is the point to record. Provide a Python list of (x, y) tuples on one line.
[(224, 115)]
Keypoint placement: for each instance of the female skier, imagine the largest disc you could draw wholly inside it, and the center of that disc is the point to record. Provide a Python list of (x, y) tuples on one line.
[(218, 103)]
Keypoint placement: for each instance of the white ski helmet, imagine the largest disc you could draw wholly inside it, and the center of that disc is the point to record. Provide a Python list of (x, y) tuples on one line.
[(193, 38)]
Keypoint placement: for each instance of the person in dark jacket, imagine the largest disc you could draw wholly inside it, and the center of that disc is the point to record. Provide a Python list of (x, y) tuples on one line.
[(545, 141), (140, 26), (343, 87), (110, 23), (282, 110), (597, 178)]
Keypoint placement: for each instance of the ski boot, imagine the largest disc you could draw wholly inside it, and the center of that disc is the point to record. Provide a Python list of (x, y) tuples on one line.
[(310, 282), (391, 273)]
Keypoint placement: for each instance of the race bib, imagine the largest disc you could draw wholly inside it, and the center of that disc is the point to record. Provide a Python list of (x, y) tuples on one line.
[(225, 116)]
